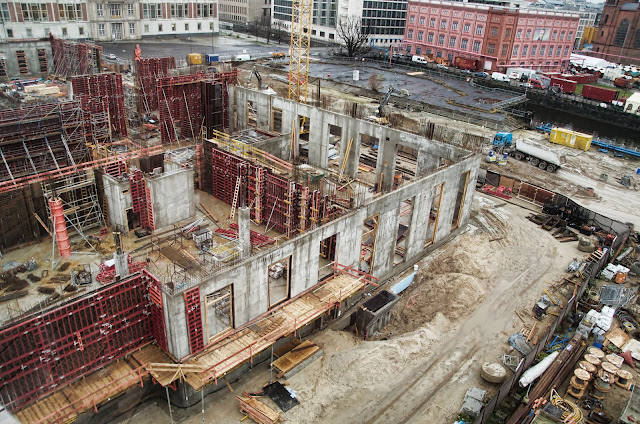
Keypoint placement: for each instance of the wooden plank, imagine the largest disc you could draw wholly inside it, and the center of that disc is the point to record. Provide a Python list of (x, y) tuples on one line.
[(290, 360)]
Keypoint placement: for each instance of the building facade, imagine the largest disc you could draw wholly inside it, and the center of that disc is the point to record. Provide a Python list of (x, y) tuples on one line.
[(617, 37), (257, 11), (107, 21), (384, 21), (497, 37)]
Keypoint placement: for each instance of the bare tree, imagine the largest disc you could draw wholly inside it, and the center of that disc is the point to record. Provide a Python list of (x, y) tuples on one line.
[(354, 38), (375, 82)]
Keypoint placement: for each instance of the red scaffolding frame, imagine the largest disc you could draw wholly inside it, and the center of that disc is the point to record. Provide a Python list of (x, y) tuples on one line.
[(71, 58)]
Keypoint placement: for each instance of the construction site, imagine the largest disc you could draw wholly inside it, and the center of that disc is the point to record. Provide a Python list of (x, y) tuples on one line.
[(201, 244)]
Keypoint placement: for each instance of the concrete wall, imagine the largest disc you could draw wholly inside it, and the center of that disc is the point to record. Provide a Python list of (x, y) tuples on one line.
[(30, 48), (118, 200), (429, 151), (249, 278), (172, 196), (278, 146)]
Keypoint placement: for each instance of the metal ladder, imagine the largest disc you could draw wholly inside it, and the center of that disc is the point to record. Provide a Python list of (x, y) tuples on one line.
[(235, 198)]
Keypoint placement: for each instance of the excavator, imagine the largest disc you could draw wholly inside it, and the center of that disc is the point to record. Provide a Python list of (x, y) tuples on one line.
[(255, 72), (379, 117)]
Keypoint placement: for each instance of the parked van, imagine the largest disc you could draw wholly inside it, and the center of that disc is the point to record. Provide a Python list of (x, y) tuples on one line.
[(500, 77), (243, 57), (418, 59)]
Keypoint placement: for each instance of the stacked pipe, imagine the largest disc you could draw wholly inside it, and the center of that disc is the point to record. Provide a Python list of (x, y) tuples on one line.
[(60, 227)]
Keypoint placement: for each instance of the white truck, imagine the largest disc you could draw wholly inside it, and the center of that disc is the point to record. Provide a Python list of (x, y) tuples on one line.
[(500, 77), (517, 73), (418, 59), (536, 155)]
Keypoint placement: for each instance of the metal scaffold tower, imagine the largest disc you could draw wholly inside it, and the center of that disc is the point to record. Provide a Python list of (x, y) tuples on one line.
[(301, 13), (80, 201)]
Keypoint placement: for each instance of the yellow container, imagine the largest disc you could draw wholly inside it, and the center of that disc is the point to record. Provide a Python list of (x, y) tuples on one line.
[(194, 59), (570, 138)]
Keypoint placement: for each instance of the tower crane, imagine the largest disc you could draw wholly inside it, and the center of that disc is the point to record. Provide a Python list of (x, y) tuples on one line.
[(301, 13)]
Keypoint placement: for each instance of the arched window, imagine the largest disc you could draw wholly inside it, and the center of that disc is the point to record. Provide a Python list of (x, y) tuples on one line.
[(606, 19), (636, 43), (621, 34)]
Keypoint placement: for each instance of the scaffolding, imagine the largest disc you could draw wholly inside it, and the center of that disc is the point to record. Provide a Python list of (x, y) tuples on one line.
[(180, 101), (41, 138), (102, 98), (80, 201), (71, 58), (148, 70)]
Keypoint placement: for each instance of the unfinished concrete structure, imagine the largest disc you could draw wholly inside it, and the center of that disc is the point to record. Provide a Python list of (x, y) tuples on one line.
[(208, 312)]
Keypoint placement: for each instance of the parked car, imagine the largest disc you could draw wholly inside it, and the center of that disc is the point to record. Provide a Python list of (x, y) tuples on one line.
[(442, 66), (111, 56), (480, 74), (526, 85), (465, 71)]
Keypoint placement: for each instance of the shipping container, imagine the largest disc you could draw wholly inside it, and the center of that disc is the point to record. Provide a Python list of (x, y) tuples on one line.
[(565, 85), (464, 63), (622, 82), (194, 59), (570, 138), (605, 95), (211, 58)]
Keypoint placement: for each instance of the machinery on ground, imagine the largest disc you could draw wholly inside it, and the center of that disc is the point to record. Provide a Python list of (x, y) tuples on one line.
[(522, 150)]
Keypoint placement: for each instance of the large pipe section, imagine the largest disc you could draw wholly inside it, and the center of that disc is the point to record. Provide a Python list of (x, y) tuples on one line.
[(60, 227)]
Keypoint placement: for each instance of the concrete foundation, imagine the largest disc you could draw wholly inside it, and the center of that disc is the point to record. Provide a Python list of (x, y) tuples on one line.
[(249, 278)]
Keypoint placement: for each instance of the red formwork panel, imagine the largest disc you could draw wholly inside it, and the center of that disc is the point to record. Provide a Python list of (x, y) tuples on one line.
[(281, 206), (50, 350), (194, 319), (105, 88), (180, 101), (156, 311), (148, 70), (71, 58), (226, 168), (141, 200)]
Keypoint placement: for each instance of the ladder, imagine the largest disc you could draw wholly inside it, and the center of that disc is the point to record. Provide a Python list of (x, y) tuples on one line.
[(344, 159), (235, 198)]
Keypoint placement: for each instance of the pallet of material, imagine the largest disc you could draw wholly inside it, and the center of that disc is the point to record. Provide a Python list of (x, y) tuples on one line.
[(256, 410), (297, 356)]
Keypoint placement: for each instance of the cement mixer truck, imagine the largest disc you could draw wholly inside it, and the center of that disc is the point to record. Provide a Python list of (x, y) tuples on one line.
[(535, 155)]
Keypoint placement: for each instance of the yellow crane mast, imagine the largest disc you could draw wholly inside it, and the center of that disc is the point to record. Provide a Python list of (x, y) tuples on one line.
[(301, 12)]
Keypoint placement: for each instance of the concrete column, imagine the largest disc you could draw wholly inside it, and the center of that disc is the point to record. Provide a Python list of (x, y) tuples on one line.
[(122, 267), (419, 223), (351, 169), (386, 164), (318, 141), (244, 230)]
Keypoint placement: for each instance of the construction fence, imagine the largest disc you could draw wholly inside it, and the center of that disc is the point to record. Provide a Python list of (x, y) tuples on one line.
[(622, 232)]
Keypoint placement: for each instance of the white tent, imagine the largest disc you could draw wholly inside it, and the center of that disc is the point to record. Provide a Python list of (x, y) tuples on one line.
[(588, 61), (633, 104)]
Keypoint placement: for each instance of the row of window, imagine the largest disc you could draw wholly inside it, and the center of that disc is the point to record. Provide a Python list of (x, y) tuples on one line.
[(443, 24), (116, 28), (453, 41), (154, 10), (539, 52), (394, 5), (383, 14), (36, 12)]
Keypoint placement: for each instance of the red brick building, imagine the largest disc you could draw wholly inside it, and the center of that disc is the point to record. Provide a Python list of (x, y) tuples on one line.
[(494, 36), (618, 35)]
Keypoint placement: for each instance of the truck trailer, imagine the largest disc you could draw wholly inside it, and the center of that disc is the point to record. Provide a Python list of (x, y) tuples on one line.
[(464, 63), (605, 95), (535, 155), (564, 85)]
